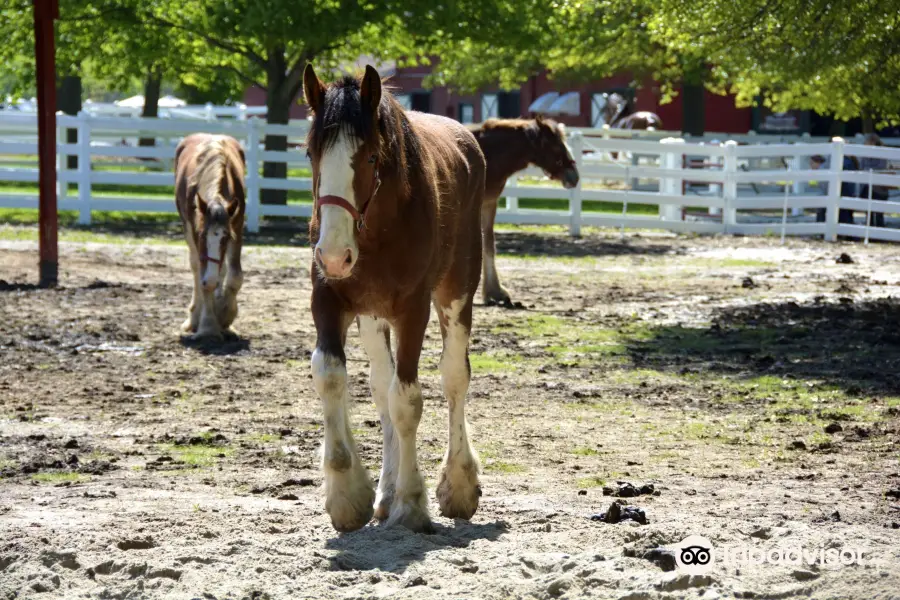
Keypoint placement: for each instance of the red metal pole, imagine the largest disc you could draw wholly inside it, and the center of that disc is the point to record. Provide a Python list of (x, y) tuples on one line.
[(45, 11)]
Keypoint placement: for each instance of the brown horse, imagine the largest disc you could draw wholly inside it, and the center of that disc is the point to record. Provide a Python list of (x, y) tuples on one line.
[(395, 229), (209, 194), (510, 145)]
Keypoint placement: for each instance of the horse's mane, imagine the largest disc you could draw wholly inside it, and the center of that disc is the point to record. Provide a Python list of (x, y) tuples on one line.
[(210, 170), (494, 124), (344, 112), (212, 178)]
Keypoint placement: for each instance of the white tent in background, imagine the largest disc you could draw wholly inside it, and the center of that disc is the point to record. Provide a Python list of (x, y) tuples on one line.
[(542, 104), (567, 104), (164, 102)]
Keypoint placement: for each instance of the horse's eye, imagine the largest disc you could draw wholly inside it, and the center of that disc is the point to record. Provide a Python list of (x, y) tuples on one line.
[(372, 159)]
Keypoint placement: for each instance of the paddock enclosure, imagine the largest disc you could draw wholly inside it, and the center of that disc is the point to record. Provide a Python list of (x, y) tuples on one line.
[(753, 384), (739, 184)]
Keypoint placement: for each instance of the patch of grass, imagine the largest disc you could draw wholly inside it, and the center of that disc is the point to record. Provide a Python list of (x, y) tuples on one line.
[(532, 325), (59, 477), (496, 466), (590, 482), (197, 455), (818, 438), (585, 451), (489, 363), (594, 206), (264, 438), (30, 234)]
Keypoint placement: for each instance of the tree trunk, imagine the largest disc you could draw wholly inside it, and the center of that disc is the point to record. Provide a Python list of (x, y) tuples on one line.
[(868, 123), (692, 108), (152, 87), (278, 107), (68, 100), (278, 113)]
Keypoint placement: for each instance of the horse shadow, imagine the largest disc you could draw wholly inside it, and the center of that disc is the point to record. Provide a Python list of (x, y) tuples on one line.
[(854, 346), (554, 245), (232, 344), (392, 549)]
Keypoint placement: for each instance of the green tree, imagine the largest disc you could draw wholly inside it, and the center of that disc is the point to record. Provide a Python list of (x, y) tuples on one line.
[(268, 43), (839, 57)]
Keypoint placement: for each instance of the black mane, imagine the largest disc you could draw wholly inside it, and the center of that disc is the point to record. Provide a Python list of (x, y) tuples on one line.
[(389, 135)]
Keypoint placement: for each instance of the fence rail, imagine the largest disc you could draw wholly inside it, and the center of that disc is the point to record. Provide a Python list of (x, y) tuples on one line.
[(732, 182)]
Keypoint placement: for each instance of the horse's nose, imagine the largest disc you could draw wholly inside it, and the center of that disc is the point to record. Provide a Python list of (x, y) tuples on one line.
[(570, 178), (335, 264)]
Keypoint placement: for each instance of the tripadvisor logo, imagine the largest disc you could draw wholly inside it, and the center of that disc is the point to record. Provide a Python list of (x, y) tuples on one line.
[(695, 555)]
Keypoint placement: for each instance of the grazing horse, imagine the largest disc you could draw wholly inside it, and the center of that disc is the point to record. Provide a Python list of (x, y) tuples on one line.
[(395, 228), (510, 145), (209, 194)]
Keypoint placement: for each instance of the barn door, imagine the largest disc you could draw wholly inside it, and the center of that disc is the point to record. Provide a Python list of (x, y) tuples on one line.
[(489, 106), (598, 103)]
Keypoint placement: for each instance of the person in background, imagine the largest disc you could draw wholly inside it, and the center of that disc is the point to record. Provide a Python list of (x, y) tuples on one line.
[(845, 215), (879, 192), (817, 162)]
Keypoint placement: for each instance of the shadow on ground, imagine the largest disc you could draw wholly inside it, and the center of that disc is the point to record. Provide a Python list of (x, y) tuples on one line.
[(851, 345), (561, 244), (232, 344), (394, 548)]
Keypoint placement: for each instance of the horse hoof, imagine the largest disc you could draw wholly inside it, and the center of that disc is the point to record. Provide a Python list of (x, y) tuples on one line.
[(349, 495), (209, 335), (458, 491), (412, 515), (500, 298), (383, 501), (188, 326)]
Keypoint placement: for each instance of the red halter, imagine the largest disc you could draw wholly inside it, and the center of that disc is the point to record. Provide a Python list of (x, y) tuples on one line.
[(359, 216)]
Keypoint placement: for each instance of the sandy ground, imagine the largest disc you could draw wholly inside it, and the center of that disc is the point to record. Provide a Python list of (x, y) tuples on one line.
[(753, 385)]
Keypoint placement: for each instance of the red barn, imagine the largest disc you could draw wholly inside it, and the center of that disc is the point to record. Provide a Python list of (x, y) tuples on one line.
[(720, 112)]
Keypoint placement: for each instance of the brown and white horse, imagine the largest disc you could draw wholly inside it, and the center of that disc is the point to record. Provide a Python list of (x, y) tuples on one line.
[(395, 229), (510, 145), (617, 112), (209, 193)]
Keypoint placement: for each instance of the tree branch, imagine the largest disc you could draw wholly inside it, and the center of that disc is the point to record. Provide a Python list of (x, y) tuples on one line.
[(242, 75), (245, 52)]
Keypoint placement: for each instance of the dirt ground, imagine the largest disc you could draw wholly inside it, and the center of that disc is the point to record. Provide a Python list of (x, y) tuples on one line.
[(753, 385)]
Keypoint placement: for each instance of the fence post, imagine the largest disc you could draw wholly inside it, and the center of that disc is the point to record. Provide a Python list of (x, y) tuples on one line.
[(512, 202), (729, 188), (835, 169), (253, 175), (62, 185), (84, 169), (577, 146), (210, 112), (671, 185)]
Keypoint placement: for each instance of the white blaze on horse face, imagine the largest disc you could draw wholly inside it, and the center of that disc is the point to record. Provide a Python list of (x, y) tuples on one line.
[(214, 238), (336, 224)]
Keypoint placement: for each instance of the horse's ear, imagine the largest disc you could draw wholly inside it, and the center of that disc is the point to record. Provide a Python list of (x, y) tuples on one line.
[(313, 88), (539, 118), (370, 88), (561, 127)]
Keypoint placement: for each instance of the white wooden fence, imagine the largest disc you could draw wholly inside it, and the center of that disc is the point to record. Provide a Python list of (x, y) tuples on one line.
[(741, 189)]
